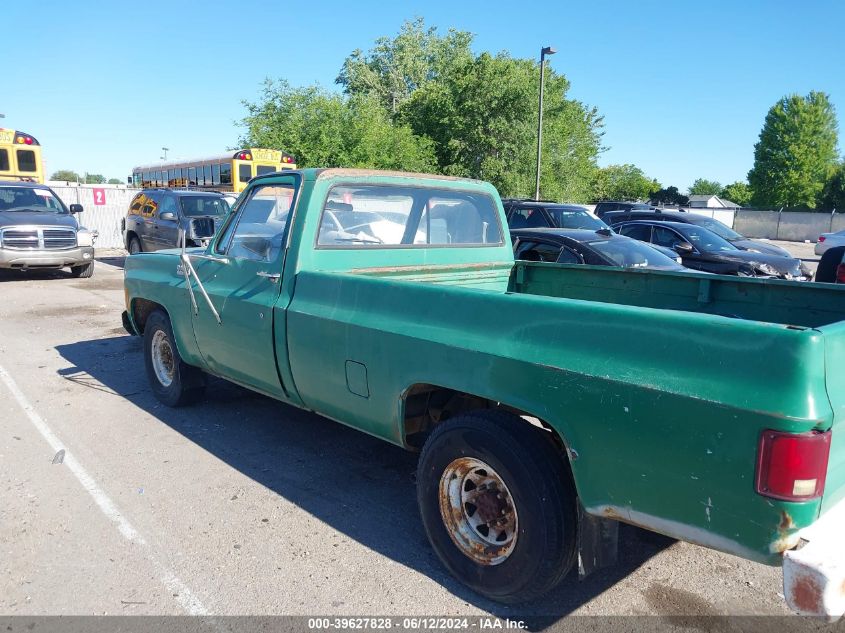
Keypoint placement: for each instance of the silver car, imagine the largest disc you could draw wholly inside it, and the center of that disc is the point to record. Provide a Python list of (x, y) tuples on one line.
[(37, 230), (829, 240)]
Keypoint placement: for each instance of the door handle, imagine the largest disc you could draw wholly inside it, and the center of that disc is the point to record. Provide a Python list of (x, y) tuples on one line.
[(274, 277)]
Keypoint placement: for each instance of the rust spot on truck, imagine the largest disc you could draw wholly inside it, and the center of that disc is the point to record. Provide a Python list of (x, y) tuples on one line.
[(787, 534), (805, 594)]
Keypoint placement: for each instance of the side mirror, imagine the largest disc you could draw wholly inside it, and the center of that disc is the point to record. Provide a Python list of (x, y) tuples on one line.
[(76, 208), (167, 215), (683, 248), (129, 180)]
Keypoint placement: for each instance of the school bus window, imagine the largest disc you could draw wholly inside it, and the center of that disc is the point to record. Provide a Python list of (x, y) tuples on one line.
[(4, 160), (26, 160), (192, 175), (226, 173), (206, 173), (260, 170), (244, 172)]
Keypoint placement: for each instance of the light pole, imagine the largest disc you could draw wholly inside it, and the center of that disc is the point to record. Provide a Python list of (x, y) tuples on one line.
[(165, 150), (548, 50)]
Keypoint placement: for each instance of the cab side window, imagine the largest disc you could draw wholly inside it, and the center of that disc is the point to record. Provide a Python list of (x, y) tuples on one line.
[(257, 233)]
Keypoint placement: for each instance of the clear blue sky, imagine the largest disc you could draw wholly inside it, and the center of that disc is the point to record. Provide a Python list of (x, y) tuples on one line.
[(683, 86)]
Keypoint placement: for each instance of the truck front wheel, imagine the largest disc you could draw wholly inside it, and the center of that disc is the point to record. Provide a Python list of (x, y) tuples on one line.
[(498, 505), (174, 382)]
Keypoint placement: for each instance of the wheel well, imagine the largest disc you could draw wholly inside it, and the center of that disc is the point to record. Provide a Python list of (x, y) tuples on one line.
[(141, 310), (129, 235), (428, 405)]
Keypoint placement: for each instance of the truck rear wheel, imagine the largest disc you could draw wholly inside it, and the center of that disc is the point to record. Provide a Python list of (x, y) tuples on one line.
[(174, 382), (134, 246), (498, 505)]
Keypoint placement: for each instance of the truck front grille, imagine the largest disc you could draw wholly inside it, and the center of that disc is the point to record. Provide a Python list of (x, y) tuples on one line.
[(38, 238)]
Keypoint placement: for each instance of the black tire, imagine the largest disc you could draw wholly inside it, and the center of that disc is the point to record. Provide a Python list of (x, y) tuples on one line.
[(84, 271), (540, 486), (187, 382), (134, 246)]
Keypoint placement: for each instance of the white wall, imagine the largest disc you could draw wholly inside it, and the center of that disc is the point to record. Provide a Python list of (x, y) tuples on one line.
[(104, 218)]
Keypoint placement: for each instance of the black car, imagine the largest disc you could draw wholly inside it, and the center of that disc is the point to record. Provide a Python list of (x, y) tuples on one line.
[(531, 214), (702, 249), (580, 246), (831, 268), (156, 218), (719, 228), (616, 205)]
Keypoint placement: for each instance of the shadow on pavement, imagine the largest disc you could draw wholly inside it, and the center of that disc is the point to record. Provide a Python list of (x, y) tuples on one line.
[(356, 484)]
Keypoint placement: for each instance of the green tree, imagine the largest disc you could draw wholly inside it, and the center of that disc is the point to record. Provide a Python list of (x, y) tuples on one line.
[(115, 181), (796, 153), (67, 175), (669, 195), (94, 179), (704, 187), (482, 118), (738, 192), (395, 67), (324, 129), (623, 182), (833, 194)]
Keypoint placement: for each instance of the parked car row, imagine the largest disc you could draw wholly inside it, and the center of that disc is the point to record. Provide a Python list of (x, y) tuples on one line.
[(701, 243)]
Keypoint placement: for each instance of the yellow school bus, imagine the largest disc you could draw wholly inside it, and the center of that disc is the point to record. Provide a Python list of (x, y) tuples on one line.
[(226, 172), (20, 157)]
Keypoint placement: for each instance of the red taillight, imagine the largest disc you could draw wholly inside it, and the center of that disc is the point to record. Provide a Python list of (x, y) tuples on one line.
[(792, 466), (28, 140), (822, 238), (840, 274)]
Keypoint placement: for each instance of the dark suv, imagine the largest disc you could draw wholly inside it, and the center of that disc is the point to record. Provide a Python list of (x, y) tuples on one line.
[(722, 230), (534, 214), (617, 205), (156, 216)]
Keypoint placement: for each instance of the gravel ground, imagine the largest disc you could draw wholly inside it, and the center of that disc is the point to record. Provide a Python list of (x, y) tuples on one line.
[(241, 505)]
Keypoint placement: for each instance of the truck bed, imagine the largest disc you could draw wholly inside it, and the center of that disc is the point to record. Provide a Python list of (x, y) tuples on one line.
[(687, 369)]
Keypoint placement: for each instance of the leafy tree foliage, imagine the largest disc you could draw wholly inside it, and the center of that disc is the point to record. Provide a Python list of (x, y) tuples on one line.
[(94, 179), (424, 101), (738, 192), (482, 117), (669, 195), (833, 194), (704, 187), (796, 153), (67, 175), (623, 182), (395, 67), (324, 129), (115, 181)]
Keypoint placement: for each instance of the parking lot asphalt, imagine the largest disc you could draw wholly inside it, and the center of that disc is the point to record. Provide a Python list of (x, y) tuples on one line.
[(115, 504)]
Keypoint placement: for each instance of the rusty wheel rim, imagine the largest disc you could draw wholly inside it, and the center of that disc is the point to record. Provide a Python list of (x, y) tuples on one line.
[(478, 511), (164, 364)]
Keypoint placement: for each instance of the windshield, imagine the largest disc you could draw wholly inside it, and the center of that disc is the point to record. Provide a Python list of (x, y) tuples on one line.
[(722, 230), (575, 219), (630, 253), (193, 206), (29, 199), (705, 240)]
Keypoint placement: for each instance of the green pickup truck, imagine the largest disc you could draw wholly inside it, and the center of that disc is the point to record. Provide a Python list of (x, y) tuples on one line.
[(549, 402)]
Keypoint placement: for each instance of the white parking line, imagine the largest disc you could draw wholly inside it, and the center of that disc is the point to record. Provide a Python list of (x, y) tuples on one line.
[(184, 596)]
